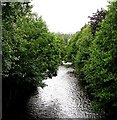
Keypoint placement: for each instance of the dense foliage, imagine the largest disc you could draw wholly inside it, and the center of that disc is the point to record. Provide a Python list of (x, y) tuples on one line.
[(94, 52), (30, 52), (72, 48), (100, 70), (83, 44), (64, 43)]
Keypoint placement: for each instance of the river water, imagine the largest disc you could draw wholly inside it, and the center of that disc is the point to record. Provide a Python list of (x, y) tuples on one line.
[(63, 97)]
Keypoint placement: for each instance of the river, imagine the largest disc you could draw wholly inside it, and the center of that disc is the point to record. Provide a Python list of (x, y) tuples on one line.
[(63, 97)]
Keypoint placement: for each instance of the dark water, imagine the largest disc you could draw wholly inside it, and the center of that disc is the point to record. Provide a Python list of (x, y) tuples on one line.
[(61, 98)]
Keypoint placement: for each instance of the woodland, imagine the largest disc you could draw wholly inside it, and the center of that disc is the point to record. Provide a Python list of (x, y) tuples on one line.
[(31, 53)]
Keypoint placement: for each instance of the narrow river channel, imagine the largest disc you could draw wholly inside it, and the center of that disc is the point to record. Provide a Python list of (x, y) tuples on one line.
[(63, 97)]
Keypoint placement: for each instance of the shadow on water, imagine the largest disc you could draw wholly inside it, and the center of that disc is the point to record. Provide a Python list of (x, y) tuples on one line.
[(37, 110), (15, 107)]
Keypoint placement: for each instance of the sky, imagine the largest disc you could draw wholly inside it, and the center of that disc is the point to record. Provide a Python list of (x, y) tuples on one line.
[(67, 16)]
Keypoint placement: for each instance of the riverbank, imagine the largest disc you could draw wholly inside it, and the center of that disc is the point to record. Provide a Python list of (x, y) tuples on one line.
[(14, 98)]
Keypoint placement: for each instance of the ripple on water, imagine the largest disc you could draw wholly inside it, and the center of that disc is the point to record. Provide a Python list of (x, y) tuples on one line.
[(62, 98)]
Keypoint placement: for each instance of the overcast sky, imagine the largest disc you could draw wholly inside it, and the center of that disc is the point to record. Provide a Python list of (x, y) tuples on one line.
[(66, 16)]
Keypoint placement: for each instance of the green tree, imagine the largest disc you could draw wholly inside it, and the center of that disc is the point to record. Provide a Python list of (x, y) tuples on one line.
[(83, 43), (72, 48), (101, 68), (30, 52), (64, 38)]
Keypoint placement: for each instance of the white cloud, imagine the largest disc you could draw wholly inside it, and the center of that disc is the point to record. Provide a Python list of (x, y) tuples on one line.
[(66, 15)]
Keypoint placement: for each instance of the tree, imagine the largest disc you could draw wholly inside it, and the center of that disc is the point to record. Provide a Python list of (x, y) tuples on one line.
[(101, 68), (72, 48), (96, 19), (30, 52), (83, 43)]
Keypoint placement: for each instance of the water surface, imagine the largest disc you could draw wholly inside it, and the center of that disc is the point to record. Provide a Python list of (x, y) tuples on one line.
[(63, 97)]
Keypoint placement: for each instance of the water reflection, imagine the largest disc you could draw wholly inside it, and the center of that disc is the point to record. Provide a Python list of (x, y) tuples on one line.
[(61, 98)]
